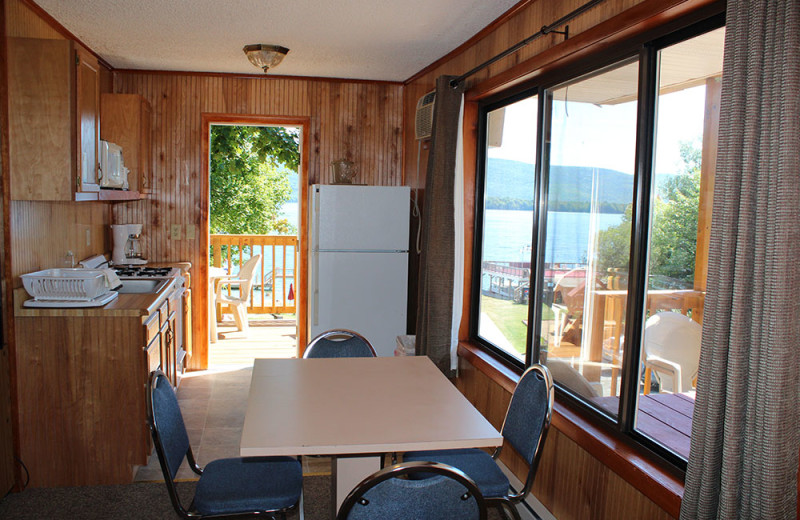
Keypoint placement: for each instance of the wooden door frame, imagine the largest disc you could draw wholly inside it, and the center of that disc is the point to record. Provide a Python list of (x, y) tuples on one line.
[(301, 294)]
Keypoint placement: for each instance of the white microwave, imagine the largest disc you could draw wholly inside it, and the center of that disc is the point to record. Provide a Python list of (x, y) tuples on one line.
[(113, 173)]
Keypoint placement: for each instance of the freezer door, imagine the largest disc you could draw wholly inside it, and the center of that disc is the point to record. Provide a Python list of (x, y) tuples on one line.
[(360, 218), (364, 292)]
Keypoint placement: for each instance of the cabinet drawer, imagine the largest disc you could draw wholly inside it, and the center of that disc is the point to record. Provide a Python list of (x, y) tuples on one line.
[(151, 327), (164, 311), (153, 354)]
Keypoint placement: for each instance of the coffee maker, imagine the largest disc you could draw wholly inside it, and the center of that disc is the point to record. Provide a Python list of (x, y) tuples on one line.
[(127, 248)]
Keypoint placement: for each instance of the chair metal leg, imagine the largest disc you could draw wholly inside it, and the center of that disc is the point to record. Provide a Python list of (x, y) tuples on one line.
[(506, 508), (301, 510), (509, 506)]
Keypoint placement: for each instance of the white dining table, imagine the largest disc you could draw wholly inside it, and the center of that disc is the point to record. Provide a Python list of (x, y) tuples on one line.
[(356, 410)]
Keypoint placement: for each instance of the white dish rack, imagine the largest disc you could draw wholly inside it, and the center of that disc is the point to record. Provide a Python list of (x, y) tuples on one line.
[(67, 284)]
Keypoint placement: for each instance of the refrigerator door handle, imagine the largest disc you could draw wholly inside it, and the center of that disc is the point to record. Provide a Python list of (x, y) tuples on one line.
[(315, 261), (315, 287), (316, 222)]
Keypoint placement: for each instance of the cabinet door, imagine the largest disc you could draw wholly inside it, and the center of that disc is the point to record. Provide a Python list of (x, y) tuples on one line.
[(145, 163), (125, 120), (169, 347), (152, 349), (88, 114), (153, 354), (187, 324), (41, 118)]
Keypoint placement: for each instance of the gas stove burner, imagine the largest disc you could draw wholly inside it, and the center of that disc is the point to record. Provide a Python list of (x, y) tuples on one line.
[(129, 271)]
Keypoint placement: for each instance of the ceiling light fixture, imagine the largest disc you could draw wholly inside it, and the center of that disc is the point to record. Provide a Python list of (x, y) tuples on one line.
[(265, 56)]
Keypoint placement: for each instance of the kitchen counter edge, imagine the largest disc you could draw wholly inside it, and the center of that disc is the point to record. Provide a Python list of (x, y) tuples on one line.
[(124, 305)]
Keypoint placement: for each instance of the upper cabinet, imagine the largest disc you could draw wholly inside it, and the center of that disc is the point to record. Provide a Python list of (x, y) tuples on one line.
[(88, 113), (125, 121), (53, 102)]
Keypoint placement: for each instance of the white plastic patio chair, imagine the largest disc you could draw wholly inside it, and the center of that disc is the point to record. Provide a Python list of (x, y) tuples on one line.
[(244, 281), (672, 348)]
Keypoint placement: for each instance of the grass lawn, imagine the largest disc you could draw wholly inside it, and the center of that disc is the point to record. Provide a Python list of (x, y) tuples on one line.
[(508, 317)]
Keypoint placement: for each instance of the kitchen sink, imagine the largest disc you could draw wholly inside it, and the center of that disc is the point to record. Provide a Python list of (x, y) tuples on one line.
[(136, 286)]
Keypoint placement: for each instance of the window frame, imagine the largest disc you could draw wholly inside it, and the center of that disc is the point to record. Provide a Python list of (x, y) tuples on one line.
[(480, 193), (646, 52)]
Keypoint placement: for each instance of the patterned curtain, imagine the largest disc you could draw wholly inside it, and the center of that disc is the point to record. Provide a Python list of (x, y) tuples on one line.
[(746, 434), (436, 278)]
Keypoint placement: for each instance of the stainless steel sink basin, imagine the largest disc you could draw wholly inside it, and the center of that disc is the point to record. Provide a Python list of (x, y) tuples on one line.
[(143, 286)]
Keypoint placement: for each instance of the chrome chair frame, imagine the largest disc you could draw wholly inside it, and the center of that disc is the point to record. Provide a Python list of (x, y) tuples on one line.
[(509, 501), (412, 468), (191, 513), (336, 332), (512, 500)]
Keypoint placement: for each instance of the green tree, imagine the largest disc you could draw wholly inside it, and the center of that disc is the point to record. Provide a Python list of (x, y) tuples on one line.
[(673, 239), (674, 236), (250, 168), (614, 244)]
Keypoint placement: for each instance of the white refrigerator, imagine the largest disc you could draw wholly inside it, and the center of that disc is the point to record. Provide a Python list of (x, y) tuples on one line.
[(358, 272)]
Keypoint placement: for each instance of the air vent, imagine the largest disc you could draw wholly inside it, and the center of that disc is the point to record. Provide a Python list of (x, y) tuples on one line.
[(423, 122)]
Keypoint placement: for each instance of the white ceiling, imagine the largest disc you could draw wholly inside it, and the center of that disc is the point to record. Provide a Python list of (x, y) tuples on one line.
[(362, 39)]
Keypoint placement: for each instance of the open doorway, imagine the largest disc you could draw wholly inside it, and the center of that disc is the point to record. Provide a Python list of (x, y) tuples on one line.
[(255, 217)]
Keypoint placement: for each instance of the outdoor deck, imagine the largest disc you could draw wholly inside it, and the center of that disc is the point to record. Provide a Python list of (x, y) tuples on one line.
[(267, 338)]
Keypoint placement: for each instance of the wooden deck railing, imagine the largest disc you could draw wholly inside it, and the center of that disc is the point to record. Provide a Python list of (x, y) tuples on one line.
[(274, 286)]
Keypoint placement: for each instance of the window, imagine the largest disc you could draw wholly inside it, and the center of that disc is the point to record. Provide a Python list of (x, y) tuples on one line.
[(510, 171), (687, 108), (592, 155), (593, 241)]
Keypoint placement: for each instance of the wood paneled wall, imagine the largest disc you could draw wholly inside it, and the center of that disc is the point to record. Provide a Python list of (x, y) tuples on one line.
[(43, 232), (359, 121)]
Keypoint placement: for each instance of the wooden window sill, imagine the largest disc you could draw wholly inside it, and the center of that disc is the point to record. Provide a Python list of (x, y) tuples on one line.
[(654, 479)]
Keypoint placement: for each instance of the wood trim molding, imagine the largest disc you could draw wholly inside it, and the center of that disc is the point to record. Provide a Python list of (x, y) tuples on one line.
[(6, 292), (304, 122), (602, 38), (254, 76), (653, 479), (52, 22), (500, 20)]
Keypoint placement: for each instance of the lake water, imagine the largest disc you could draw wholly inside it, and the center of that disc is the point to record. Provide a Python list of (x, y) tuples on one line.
[(508, 233)]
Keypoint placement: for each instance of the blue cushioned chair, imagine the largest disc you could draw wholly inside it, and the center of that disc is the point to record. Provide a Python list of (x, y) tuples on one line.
[(263, 487), (446, 494), (339, 343), (525, 428)]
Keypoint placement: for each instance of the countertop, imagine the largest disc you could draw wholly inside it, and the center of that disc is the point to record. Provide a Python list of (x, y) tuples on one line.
[(124, 305)]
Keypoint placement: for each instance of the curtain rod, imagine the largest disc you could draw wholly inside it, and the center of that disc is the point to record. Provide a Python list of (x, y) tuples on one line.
[(546, 29)]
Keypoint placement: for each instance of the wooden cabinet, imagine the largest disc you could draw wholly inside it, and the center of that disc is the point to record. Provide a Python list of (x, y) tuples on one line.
[(87, 102), (53, 102), (83, 373), (163, 337), (125, 120), (152, 349)]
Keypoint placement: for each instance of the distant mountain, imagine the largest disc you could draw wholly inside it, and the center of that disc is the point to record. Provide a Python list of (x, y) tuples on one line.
[(510, 186)]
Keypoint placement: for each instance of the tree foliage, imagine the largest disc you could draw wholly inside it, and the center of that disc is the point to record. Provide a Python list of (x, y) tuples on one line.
[(673, 238), (250, 178)]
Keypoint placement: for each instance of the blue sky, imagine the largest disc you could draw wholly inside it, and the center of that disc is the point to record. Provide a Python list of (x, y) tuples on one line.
[(604, 136)]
